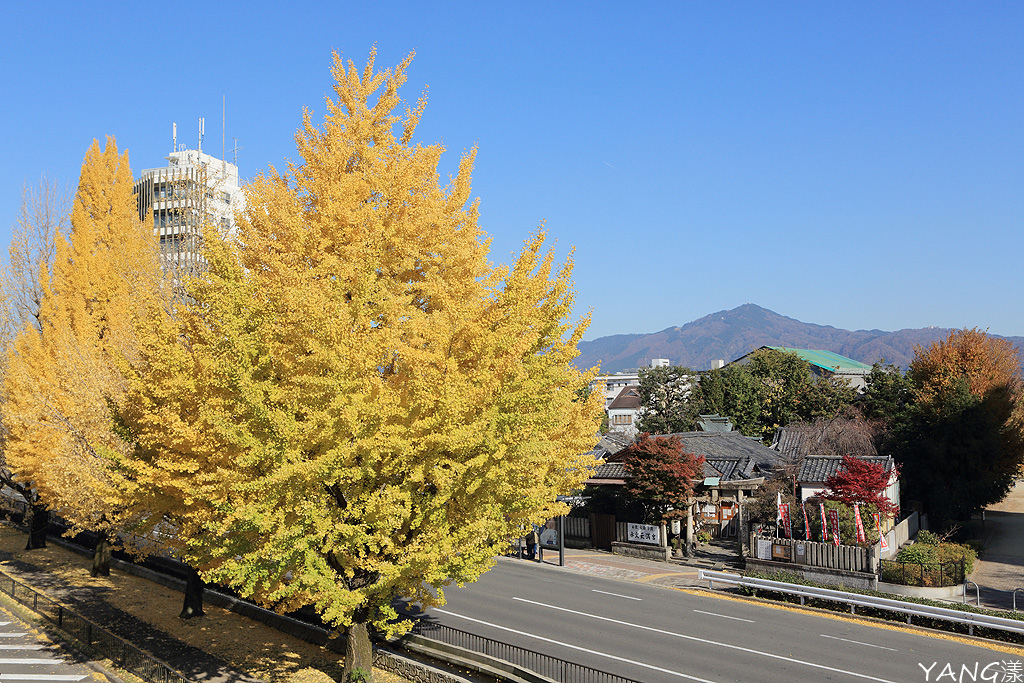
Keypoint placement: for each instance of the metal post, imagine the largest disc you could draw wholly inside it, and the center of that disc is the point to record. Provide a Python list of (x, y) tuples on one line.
[(561, 540)]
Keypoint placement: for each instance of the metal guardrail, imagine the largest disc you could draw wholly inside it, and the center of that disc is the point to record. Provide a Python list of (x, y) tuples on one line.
[(544, 665), (117, 650), (855, 600)]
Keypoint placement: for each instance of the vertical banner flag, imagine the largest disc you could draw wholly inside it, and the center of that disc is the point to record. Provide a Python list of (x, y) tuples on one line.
[(824, 523), (778, 512), (807, 522), (881, 536), (833, 521), (859, 523), (787, 523)]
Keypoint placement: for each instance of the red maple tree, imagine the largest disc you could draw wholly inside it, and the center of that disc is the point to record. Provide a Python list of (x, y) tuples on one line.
[(661, 472), (861, 481)]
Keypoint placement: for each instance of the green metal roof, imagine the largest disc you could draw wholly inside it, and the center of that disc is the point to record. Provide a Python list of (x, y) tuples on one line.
[(827, 360)]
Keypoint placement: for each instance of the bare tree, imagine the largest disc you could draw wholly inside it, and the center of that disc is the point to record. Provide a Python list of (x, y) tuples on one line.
[(44, 214)]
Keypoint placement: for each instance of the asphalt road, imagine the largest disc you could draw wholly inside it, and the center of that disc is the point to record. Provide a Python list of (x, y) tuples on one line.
[(654, 634)]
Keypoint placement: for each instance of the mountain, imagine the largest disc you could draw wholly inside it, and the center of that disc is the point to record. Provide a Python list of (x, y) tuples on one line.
[(727, 335)]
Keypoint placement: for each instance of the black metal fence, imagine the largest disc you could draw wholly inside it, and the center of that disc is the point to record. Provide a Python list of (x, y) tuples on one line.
[(545, 665), (117, 650), (931, 574)]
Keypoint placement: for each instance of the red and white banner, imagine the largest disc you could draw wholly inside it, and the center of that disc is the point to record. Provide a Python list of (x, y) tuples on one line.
[(807, 522), (833, 521), (787, 523), (824, 523), (881, 536), (861, 536)]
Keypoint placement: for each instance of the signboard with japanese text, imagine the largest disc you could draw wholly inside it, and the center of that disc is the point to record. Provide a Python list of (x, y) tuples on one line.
[(643, 533)]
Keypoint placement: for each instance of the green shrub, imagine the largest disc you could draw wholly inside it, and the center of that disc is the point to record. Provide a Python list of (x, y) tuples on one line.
[(929, 550)]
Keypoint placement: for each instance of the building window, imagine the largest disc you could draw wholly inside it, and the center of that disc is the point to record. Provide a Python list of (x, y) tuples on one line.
[(622, 419)]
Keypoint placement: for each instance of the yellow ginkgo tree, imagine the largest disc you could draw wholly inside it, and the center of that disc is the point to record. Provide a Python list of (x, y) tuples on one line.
[(352, 403), (63, 386)]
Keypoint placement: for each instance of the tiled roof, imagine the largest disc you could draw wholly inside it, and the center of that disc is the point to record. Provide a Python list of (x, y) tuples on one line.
[(728, 455), (628, 398), (818, 468), (789, 441), (730, 445), (610, 444), (731, 469), (611, 470)]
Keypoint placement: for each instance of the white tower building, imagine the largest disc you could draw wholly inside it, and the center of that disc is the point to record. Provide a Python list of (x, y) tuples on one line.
[(194, 189)]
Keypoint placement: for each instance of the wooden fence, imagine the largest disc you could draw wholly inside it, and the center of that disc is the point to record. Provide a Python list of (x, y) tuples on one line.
[(826, 555), (577, 528)]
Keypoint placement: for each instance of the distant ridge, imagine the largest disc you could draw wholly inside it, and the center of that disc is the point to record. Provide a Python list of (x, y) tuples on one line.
[(728, 335)]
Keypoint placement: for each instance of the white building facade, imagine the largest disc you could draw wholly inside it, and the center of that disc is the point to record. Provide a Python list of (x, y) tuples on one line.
[(193, 190)]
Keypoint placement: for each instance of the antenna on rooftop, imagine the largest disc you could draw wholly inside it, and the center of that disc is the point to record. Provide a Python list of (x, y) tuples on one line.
[(235, 151), (174, 137), (223, 124), (202, 129)]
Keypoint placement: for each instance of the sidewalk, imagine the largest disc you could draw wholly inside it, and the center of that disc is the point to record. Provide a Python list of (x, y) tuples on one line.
[(676, 573), (88, 602), (1001, 568)]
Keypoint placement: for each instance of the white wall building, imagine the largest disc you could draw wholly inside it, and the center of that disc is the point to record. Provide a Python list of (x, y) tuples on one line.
[(194, 188)]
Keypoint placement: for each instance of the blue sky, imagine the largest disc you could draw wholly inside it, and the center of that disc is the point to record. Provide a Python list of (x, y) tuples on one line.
[(853, 164)]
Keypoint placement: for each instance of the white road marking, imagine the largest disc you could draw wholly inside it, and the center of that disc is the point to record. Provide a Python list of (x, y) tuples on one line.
[(770, 655), (628, 597), (724, 616), (30, 646), (40, 677), (24, 660), (12, 635), (857, 642), (5, 623), (573, 647)]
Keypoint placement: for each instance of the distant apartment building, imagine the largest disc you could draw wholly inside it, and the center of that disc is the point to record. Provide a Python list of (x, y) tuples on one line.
[(193, 189)]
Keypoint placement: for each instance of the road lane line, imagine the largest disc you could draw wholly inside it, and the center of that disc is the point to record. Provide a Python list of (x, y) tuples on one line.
[(573, 647), (13, 635), (728, 646), (847, 640), (34, 646), (628, 597), (724, 616), (26, 660), (40, 677)]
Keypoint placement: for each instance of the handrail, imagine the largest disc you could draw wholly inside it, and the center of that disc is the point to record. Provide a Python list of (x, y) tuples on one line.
[(856, 599), (121, 652), (977, 592)]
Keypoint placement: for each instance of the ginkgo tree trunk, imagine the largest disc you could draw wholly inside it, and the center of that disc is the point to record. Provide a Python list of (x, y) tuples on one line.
[(353, 404), (62, 378)]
